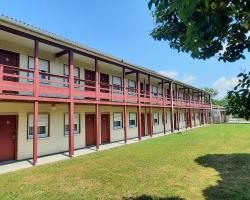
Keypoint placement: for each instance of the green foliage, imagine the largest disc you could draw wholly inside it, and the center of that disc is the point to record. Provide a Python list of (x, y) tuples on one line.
[(213, 92), (208, 28), (203, 27), (220, 102), (239, 98)]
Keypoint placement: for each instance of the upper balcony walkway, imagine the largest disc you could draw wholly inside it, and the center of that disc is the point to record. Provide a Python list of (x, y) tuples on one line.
[(18, 84)]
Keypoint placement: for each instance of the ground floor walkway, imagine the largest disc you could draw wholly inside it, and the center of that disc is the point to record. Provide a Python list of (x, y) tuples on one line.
[(11, 166)]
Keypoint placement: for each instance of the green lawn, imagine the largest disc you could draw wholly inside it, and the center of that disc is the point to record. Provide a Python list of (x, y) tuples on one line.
[(204, 163)]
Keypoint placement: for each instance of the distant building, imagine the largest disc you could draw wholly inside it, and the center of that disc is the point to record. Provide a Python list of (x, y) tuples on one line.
[(218, 114)]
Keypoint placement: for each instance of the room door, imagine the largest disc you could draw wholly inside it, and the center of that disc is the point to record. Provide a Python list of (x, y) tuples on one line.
[(149, 124), (7, 137), (90, 80), (104, 83), (90, 135), (105, 128)]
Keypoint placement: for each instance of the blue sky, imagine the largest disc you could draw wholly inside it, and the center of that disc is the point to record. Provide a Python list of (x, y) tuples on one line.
[(121, 28)]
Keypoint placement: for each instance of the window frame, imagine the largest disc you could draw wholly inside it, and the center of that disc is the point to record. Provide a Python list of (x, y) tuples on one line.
[(29, 136), (135, 125), (115, 86), (155, 94), (120, 127), (75, 77), (31, 75), (131, 90), (157, 118), (79, 123)]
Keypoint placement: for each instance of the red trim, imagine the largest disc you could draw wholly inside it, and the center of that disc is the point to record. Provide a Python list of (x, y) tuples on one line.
[(35, 133), (97, 115), (71, 104), (125, 124), (164, 120)]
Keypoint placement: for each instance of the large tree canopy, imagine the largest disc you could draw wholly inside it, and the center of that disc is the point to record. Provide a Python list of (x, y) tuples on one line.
[(207, 28), (239, 98), (204, 28)]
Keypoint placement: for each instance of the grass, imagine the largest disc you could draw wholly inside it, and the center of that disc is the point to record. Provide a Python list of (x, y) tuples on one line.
[(205, 163)]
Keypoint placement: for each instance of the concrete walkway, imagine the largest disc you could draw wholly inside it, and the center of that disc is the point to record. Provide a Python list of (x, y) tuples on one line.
[(11, 166)]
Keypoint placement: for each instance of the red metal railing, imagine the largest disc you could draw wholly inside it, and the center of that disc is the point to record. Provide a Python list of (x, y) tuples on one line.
[(18, 81)]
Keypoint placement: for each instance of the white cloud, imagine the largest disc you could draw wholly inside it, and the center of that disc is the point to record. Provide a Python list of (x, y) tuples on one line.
[(223, 85), (175, 75), (188, 78), (170, 74)]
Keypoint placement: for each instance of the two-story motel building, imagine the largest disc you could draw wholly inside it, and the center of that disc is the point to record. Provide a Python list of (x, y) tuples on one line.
[(58, 96)]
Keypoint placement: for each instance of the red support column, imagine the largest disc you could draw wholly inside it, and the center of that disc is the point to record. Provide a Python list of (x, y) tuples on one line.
[(200, 116), (139, 104), (177, 119), (186, 118), (98, 130), (164, 119), (97, 78), (71, 104), (1, 77), (172, 107), (36, 95), (97, 115), (35, 132), (190, 111), (36, 70), (151, 121), (194, 118), (139, 122), (125, 125), (124, 85), (150, 93)]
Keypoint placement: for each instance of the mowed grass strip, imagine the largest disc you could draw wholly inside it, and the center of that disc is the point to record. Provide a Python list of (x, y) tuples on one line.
[(204, 163)]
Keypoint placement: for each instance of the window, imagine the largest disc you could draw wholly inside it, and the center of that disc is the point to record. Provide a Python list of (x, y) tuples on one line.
[(155, 91), (43, 68), (43, 126), (117, 82), (118, 121), (76, 123), (156, 118), (76, 73), (132, 120), (131, 86)]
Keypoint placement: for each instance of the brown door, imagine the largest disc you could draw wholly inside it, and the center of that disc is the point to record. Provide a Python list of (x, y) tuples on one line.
[(90, 80), (143, 124), (90, 125), (9, 59), (7, 137), (105, 128), (149, 125), (104, 80)]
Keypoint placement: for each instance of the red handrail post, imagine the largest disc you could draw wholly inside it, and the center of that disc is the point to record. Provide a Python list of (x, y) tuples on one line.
[(36, 95), (71, 104), (1, 77)]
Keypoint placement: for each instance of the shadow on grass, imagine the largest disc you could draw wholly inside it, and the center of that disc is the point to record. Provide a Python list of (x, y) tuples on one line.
[(234, 172), (148, 197)]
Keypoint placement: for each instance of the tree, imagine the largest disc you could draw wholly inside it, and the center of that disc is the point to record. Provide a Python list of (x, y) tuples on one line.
[(239, 98), (207, 28), (213, 92), (204, 28)]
